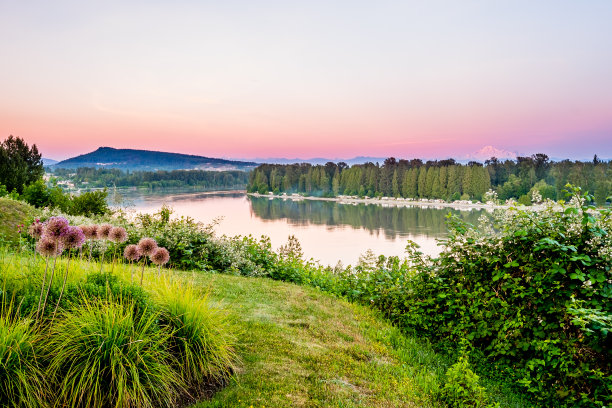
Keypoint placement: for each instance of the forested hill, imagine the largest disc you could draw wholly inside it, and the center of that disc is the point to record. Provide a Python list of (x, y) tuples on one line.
[(444, 179), (131, 159)]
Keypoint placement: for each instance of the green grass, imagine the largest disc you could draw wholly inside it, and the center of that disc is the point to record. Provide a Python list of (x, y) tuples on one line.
[(302, 348), (12, 214)]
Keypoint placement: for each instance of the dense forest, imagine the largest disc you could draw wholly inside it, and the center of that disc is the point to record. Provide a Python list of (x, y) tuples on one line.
[(439, 179), (96, 177)]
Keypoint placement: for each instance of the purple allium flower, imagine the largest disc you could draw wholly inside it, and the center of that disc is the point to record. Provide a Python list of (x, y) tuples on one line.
[(49, 247), (131, 253), (73, 237), (89, 231), (118, 235), (147, 246), (94, 231), (104, 230), (55, 227), (36, 229), (161, 256)]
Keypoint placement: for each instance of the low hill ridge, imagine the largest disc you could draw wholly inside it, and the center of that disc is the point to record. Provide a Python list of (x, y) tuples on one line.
[(133, 159)]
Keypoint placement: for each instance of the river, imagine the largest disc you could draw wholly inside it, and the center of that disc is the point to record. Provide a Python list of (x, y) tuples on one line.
[(328, 231)]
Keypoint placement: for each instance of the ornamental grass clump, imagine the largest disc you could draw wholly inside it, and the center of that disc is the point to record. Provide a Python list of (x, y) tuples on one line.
[(147, 247), (103, 354), (201, 339), (22, 382)]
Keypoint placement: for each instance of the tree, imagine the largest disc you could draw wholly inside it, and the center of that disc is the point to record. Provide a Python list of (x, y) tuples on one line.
[(20, 165)]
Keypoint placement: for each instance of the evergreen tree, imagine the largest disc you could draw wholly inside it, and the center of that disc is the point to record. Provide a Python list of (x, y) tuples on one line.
[(422, 182), (20, 165), (395, 185)]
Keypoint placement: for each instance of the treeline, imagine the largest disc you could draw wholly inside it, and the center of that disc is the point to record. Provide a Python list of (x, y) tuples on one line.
[(439, 179), (96, 178)]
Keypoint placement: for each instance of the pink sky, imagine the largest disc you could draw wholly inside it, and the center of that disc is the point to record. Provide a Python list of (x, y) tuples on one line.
[(433, 79)]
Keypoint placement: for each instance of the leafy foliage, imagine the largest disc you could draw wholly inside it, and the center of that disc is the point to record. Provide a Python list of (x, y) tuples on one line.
[(20, 164), (462, 388)]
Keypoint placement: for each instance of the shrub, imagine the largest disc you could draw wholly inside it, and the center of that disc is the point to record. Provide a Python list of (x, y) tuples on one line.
[(102, 354), (90, 203), (37, 194), (462, 388), (510, 288)]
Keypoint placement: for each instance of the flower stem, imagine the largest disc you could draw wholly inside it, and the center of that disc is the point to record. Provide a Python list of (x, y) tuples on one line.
[(42, 288), (63, 286), (42, 312)]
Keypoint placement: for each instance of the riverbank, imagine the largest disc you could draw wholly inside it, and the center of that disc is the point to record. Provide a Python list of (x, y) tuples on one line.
[(462, 205)]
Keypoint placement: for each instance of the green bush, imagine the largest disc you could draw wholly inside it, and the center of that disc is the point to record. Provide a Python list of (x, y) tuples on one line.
[(89, 203), (462, 388), (37, 194), (507, 288)]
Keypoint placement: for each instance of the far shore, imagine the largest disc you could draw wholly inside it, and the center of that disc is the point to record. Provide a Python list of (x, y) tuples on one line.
[(391, 201)]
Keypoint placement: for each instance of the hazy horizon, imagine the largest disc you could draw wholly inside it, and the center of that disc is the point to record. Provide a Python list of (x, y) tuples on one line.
[(334, 80)]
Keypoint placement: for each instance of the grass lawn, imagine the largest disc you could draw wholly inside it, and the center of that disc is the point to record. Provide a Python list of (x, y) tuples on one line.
[(303, 348)]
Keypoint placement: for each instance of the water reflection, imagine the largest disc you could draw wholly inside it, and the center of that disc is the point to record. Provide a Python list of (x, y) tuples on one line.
[(394, 221), (328, 231)]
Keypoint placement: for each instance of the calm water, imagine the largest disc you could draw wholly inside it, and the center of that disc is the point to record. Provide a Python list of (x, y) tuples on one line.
[(328, 231)]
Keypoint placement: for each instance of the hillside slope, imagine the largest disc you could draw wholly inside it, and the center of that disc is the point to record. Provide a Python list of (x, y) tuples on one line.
[(12, 214), (300, 347), (132, 159)]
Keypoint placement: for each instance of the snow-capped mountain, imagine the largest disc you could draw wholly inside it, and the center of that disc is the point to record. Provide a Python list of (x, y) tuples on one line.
[(489, 151)]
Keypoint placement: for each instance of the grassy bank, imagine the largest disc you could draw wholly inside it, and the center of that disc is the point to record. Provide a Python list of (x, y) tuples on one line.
[(302, 348), (521, 299), (296, 346), (12, 214)]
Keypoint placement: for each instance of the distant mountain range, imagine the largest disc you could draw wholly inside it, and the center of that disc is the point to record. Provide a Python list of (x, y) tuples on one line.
[(130, 159), (321, 160), (480, 156), (48, 162)]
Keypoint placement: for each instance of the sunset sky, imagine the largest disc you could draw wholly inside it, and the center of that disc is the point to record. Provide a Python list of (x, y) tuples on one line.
[(337, 79)]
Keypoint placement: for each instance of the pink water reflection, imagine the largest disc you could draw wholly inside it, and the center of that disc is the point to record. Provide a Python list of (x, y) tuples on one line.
[(326, 243)]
